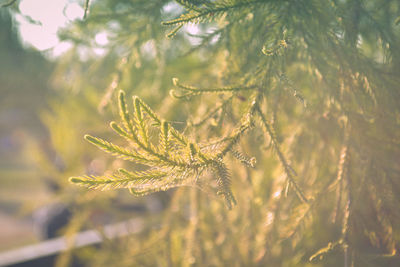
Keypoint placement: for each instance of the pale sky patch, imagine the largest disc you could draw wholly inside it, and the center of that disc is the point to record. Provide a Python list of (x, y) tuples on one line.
[(51, 16)]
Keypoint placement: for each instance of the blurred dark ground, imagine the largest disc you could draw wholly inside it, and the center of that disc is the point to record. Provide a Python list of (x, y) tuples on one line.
[(24, 75)]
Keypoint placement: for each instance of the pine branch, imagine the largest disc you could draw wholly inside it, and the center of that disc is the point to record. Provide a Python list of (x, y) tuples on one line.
[(139, 120), (164, 138), (123, 112), (188, 5), (124, 179), (174, 31), (178, 136), (235, 137), (146, 148), (175, 161), (296, 93), (224, 182), (193, 91), (210, 12), (118, 151), (288, 169), (147, 109), (250, 162)]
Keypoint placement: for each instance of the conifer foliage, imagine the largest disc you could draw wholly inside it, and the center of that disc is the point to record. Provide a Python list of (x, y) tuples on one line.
[(309, 87), (174, 161)]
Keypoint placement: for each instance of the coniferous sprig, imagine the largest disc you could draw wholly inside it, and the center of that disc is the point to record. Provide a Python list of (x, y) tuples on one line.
[(208, 11), (173, 160), (122, 179), (250, 162), (288, 83), (193, 91), (188, 5), (290, 173)]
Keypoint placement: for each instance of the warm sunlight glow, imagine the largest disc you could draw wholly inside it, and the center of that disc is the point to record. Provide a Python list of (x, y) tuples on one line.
[(101, 38), (50, 16)]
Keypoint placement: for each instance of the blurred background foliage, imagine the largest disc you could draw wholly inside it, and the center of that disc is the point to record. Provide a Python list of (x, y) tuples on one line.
[(23, 77), (328, 73)]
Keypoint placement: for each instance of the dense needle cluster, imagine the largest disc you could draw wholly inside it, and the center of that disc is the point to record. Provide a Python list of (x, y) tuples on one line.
[(316, 82), (172, 161)]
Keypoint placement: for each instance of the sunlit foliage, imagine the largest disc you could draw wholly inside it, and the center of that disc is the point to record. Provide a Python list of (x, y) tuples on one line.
[(309, 88)]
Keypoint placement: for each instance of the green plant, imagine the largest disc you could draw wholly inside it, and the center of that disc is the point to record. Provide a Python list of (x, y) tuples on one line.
[(310, 88), (173, 161)]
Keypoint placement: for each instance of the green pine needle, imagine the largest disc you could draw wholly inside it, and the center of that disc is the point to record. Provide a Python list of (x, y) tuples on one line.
[(173, 162)]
